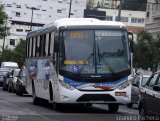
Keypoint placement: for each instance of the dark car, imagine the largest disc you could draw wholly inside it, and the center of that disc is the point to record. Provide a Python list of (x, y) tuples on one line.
[(3, 73), (6, 79), (21, 83), (138, 81), (149, 103)]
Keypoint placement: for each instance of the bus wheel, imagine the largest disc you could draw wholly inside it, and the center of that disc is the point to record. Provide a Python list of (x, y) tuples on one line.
[(36, 100), (113, 108), (56, 106), (130, 105)]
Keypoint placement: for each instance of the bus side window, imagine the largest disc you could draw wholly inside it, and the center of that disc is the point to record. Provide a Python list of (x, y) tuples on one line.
[(34, 44), (44, 45), (52, 43), (41, 46), (38, 49), (30, 47), (27, 47), (49, 44)]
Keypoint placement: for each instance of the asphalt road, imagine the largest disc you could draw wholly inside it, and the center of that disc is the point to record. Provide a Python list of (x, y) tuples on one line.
[(15, 108)]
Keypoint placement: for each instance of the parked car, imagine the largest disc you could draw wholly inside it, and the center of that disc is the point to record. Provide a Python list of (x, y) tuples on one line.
[(138, 81), (13, 80), (149, 103), (6, 79), (3, 73), (9, 65), (21, 83)]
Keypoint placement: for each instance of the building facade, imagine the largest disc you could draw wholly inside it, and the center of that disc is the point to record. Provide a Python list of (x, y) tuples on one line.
[(134, 20), (26, 15), (153, 17), (93, 4)]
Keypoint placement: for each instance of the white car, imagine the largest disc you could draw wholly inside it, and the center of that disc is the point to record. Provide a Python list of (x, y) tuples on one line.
[(138, 81)]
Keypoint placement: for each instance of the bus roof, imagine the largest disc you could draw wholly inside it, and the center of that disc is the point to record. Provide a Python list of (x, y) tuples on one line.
[(68, 22), (85, 21)]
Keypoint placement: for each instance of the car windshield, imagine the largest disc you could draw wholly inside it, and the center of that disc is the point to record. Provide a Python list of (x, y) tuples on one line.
[(94, 51), (144, 80), (3, 73)]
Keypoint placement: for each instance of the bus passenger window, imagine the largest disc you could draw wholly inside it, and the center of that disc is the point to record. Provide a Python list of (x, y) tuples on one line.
[(41, 46), (27, 41), (49, 43), (36, 47), (34, 44), (44, 45), (30, 47), (52, 43)]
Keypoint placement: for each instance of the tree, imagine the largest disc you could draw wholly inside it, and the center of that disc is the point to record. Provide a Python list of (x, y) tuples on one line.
[(136, 5), (144, 51), (16, 55), (3, 18)]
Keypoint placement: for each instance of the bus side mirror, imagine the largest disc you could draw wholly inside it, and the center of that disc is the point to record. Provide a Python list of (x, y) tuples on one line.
[(130, 36)]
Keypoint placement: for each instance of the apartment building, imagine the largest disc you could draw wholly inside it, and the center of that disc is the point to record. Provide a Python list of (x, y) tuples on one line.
[(153, 17), (92, 4), (21, 13), (134, 20)]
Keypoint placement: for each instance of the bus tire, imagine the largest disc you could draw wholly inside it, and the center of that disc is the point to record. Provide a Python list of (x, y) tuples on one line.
[(36, 100), (113, 108), (130, 105)]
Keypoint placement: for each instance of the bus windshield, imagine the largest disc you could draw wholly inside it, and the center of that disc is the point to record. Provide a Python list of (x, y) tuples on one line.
[(94, 51)]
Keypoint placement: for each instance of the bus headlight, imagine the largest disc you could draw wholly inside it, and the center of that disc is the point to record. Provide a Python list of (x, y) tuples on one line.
[(65, 85), (124, 85)]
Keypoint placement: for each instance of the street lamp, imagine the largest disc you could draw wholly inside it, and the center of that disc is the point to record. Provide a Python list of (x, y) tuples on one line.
[(32, 8)]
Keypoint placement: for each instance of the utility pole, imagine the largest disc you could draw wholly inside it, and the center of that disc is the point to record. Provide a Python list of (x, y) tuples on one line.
[(70, 8), (4, 39), (32, 8), (119, 12), (31, 19)]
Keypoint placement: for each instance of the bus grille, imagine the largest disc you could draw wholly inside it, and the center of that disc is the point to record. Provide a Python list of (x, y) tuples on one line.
[(96, 97)]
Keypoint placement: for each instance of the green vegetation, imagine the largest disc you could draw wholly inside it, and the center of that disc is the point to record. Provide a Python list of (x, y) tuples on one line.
[(3, 18), (147, 51), (136, 5), (16, 55)]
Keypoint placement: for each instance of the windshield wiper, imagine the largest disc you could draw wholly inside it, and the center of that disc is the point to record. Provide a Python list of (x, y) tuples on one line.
[(99, 58), (111, 69), (89, 57)]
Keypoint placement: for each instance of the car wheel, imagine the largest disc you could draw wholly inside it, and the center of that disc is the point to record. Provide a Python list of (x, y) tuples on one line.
[(113, 108), (130, 105), (20, 92), (9, 89)]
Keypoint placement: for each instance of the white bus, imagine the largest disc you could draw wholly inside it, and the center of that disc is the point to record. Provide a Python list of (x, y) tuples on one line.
[(80, 60)]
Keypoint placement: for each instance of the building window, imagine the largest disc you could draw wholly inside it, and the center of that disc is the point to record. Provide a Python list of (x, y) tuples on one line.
[(9, 5), (147, 14), (18, 14), (12, 42), (27, 31), (19, 30), (18, 6), (59, 11), (60, 1), (109, 18)]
